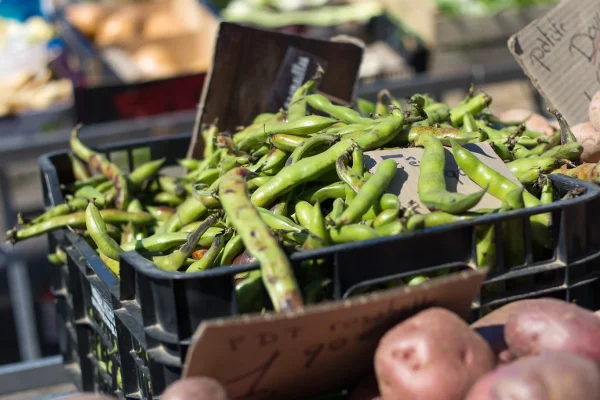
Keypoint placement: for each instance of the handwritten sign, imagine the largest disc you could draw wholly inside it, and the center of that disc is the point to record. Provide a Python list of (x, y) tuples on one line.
[(406, 180), (319, 350), (559, 53)]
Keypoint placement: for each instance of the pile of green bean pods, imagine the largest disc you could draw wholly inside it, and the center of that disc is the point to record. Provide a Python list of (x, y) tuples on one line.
[(296, 180)]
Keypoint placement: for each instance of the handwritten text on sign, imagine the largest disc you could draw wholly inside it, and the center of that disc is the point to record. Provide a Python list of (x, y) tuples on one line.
[(406, 180), (559, 52), (319, 350)]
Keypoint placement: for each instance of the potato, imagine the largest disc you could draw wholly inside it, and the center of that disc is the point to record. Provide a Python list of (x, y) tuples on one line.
[(433, 355), (589, 138), (551, 376), (594, 111), (533, 121), (552, 325), (491, 326), (366, 390), (197, 388)]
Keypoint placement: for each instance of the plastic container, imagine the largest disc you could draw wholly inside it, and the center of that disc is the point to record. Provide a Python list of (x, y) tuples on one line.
[(151, 314)]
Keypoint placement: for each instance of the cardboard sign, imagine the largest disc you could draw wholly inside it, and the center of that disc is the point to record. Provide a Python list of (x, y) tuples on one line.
[(318, 350), (559, 53), (245, 67), (406, 180)]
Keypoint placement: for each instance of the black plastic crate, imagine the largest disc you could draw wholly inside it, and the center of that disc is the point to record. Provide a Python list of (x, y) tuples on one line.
[(161, 310)]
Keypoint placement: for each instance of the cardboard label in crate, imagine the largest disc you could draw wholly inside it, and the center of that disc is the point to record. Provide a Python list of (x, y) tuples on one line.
[(318, 350), (245, 74), (559, 53), (406, 180)]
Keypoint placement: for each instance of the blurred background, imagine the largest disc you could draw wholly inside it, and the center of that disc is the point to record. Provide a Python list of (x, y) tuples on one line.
[(135, 69)]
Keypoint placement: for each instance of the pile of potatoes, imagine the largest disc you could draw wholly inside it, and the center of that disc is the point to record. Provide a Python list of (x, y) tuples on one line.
[(542, 349), (587, 133)]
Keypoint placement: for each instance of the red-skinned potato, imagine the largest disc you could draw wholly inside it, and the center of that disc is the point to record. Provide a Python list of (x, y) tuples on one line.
[(197, 388), (366, 390), (533, 121), (550, 325), (551, 376), (491, 326), (433, 355), (589, 138), (594, 111)]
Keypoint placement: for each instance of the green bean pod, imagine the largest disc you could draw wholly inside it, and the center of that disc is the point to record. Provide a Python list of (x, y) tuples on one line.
[(304, 213), (176, 259), (365, 107), (162, 242), (61, 209), (210, 257), (297, 107), (502, 151), (569, 151), (347, 175), (331, 191), (302, 127), (351, 233), (144, 172), (473, 106), (286, 142), (80, 171), (514, 246), (277, 274), (436, 218), (341, 113), (310, 145), (209, 135), (190, 164), (160, 213), (91, 181), (278, 222), (389, 201), (233, 248), (275, 158), (76, 220), (369, 193), (96, 227), (168, 199), (90, 193), (469, 123), (485, 239), (524, 165), (100, 163), (499, 186), (432, 180), (385, 217), (444, 134), (393, 228)]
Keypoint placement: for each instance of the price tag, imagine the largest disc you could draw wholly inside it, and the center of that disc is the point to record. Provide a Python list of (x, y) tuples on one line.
[(559, 53), (297, 68), (318, 350)]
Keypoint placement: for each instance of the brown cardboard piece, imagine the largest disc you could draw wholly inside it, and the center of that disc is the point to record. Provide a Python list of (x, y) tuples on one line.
[(245, 67), (318, 350), (559, 53), (407, 177)]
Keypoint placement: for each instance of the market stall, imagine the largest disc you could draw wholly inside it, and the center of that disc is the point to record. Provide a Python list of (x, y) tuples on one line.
[(312, 237)]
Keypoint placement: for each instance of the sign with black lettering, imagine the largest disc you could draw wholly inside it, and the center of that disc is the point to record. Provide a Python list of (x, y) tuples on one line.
[(319, 350), (298, 67), (405, 182), (559, 53)]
